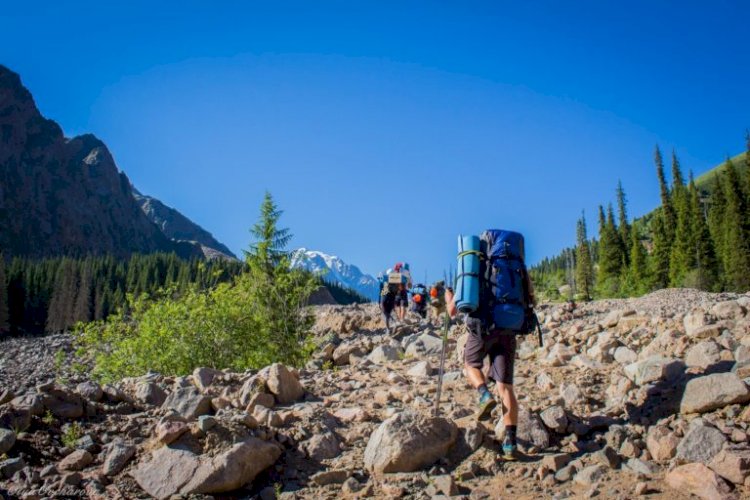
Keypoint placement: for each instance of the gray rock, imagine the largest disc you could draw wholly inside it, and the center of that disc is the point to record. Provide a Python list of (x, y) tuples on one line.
[(642, 467), (714, 391), (206, 422), (625, 355), (11, 466), (530, 431), (118, 455), (608, 457), (590, 475), (323, 446), (571, 394), (90, 391), (326, 477), (700, 443), (703, 354), (555, 419), (76, 461), (424, 345), (385, 353), (283, 384), (188, 402), (7, 440), (203, 377), (420, 369), (62, 403), (150, 393), (407, 442), (169, 471), (654, 369)]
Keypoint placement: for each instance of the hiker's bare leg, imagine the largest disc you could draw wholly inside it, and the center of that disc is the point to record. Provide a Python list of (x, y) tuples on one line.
[(475, 376), (507, 395)]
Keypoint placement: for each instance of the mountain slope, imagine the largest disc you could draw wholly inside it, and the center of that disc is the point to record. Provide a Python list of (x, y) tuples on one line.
[(337, 271), (62, 196), (178, 227)]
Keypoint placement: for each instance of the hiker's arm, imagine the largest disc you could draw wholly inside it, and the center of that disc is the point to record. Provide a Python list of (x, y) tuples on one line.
[(450, 302)]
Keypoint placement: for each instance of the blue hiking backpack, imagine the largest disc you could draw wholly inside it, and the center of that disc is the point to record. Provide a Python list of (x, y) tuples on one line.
[(504, 294)]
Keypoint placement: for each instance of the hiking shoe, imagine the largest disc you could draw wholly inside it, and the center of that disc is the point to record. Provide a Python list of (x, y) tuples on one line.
[(486, 404), (510, 451)]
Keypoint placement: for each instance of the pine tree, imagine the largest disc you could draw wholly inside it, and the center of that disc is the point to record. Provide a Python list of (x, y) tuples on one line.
[(716, 211), (682, 254), (704, 274), (611, 258), (4, 319), (584, 268), (269, 248), (736, 237), (666, 201), (624, 224), (636, 282), (659, 261)]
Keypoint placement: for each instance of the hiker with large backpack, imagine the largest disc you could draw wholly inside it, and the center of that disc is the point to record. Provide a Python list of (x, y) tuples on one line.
[(494, 291), (403, 280), (419, 300), (437, 299)]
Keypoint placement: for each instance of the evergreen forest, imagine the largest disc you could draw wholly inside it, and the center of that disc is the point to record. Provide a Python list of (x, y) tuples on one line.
[(698, 237)]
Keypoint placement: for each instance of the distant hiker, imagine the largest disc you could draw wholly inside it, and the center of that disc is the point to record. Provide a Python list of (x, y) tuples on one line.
[(437, 299), (387, 299), (494, 289), (419, 300)]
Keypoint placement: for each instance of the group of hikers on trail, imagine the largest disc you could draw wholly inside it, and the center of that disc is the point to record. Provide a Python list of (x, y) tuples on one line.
[(495, 297), (396, 287)]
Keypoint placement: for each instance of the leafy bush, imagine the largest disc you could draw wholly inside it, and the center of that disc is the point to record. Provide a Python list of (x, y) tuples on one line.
[(259, 318)]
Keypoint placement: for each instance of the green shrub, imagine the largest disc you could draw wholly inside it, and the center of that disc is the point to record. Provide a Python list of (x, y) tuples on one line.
[(259, 318)]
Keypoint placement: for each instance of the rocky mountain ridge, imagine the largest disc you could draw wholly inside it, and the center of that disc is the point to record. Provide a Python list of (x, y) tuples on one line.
[(627, 398), (66, 196)]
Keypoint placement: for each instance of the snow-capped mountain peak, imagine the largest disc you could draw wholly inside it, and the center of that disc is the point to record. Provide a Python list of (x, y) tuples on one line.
[(337, 271)]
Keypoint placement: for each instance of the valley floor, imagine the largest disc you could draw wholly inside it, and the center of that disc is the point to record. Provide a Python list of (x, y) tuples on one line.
[(628, 398)]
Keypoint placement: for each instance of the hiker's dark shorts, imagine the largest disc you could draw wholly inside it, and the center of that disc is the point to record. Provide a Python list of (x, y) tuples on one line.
[(499, 345), (402, 300)]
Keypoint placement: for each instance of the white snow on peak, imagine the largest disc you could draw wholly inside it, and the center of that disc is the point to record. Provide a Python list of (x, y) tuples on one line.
[(335, 270)]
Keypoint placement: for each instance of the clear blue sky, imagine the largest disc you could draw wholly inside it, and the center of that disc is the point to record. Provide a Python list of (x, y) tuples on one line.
[(385, 129)]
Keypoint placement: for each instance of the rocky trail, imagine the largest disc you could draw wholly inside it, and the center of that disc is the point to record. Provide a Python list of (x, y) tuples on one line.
[(628, 398)]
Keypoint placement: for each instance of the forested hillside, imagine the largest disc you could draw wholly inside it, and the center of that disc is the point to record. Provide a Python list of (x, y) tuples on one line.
[(51, 295), (699, 237)]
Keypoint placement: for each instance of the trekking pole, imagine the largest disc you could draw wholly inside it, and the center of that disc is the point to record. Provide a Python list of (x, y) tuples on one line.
[(446, 324), (539, 330)]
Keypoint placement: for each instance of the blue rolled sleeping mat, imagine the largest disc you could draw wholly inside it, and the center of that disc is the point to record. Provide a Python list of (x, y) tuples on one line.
[(467, 274)]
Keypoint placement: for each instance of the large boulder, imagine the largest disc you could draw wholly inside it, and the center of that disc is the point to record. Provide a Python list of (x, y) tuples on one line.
[(714, 391), (385, 353), (188, 402), (701, 443), (62, 403), (555, 419), (654, 369), (203, 377), (283, 384), (699, 480), (170, 471), (407, 442), (150, 393), (424, 345)]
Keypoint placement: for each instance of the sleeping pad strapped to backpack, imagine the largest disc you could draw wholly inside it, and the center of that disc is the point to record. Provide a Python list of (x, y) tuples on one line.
[(504, 294)]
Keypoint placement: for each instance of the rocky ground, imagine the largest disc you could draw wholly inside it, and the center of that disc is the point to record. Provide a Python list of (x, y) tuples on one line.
[(628, 398)]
